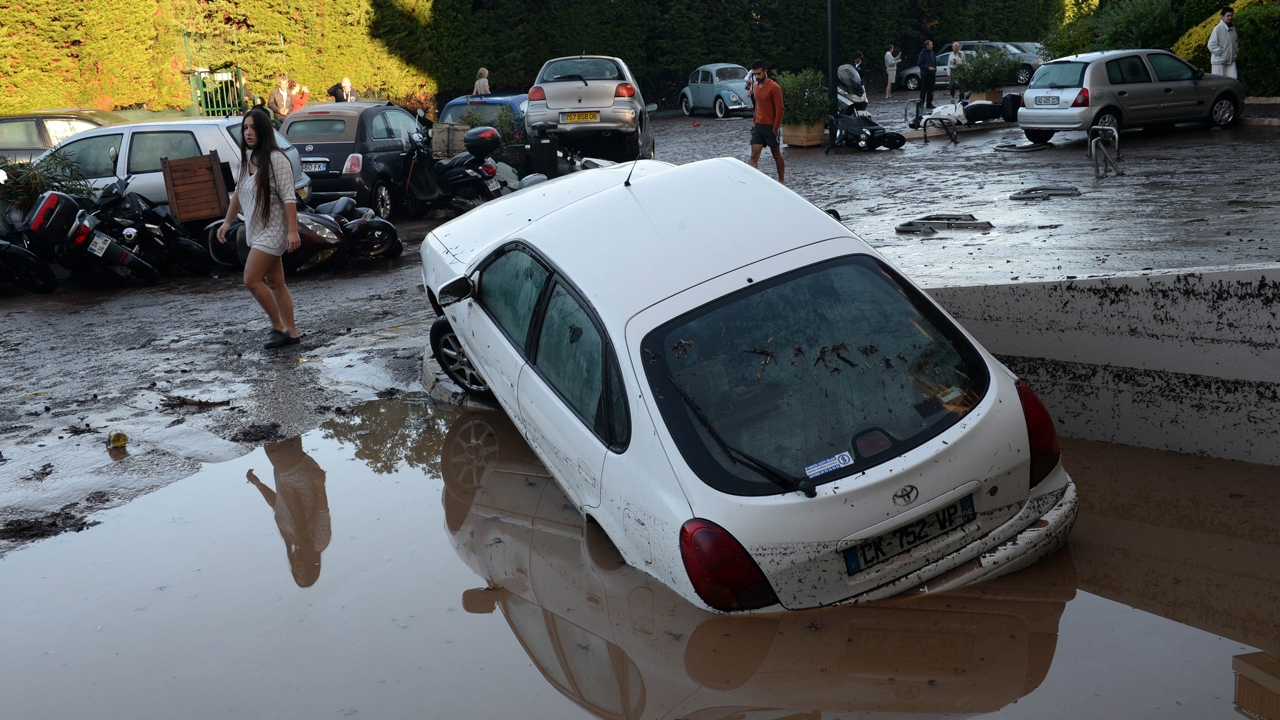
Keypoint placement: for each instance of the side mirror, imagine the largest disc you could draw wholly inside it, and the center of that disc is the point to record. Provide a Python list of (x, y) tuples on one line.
[(1197, 74), (113, 154), (421, 113), (651, 107), (480, 601), (455, 291)]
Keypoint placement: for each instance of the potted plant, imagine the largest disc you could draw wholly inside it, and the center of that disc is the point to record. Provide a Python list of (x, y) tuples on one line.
[(804, 107), (984, 73)]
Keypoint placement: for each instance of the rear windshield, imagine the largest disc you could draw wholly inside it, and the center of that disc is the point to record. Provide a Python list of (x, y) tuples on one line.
[(731, 73), (818, 374), (323, 127), (1059, 75), (582, 69), (487, 114), (236, 129)]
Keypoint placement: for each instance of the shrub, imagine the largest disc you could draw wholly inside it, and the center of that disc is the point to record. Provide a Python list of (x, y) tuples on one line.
[(803, 98), (28, 181), (986, 69), (1131, 24), (1076, 35), (1195, 12), (1258, 28)]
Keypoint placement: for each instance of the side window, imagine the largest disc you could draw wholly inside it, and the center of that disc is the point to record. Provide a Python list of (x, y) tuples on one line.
[(570, 356), (60, 129), (693, 79), (381, 127), (509, 289), (402, 123), (20, 134), (704, 77), (1169, 68), (146, 149), (1126, 70), (93, 155)]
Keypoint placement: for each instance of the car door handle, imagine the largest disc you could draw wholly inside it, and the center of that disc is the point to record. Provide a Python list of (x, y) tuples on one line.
[(1122, 93), (1168, 89)]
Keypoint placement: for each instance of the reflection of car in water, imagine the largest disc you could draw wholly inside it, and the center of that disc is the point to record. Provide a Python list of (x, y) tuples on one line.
[(622, 645), (301, 507)]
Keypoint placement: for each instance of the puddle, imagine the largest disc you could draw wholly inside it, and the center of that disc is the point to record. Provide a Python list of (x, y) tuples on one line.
[(401, 562)]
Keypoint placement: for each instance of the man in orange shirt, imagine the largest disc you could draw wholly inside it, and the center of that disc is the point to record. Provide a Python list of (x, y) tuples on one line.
[(768, 117)]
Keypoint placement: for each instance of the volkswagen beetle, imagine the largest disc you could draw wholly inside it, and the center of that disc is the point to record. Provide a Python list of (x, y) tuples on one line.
[(720, 88)]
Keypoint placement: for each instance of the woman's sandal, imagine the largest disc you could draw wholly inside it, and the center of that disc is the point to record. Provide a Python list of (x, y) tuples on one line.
[(277, 338)]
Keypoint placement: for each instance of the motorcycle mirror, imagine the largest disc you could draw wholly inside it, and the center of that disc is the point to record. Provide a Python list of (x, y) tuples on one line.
[(455, 291), (113, 154), (421, 113), (651, 107)]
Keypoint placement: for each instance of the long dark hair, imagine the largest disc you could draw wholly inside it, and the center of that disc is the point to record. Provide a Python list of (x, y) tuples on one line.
[(261, 154)]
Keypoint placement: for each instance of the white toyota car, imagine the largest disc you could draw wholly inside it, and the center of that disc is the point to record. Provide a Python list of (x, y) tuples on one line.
[(773, 418)]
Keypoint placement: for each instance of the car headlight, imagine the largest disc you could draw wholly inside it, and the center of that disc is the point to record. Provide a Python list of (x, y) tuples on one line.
[(318, 229), (733, 97)]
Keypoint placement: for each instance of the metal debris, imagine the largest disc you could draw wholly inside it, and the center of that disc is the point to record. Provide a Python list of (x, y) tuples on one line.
[(943, 220), (1044, 192)]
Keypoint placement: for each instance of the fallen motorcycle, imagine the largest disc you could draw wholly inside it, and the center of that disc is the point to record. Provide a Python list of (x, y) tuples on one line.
[(331, 235), (160, 240), (25, 269), (853, 126)]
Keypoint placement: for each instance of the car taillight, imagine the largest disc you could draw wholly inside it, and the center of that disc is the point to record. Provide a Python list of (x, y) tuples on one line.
[(355, 161), (1045, 452), (722, 572), (81, 234), (44, 212), (1082, 100), (1024, 100), (625, 90), (489, 169), (537, 93)]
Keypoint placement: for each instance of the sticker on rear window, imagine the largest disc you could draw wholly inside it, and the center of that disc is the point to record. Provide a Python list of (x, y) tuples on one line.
[(950, 394), (823, 467)]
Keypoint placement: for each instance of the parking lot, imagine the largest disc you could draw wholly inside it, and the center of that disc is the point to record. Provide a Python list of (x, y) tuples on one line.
[(179, 368)]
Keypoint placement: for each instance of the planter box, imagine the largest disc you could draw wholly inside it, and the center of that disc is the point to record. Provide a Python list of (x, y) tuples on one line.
[(446, 139), (804, 135), (994, 96)]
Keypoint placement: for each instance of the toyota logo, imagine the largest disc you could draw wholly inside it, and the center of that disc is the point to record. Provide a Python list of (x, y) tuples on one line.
[(906, 495), (310, 148)]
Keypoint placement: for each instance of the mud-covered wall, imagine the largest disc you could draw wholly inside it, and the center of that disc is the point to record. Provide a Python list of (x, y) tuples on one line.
[(1184, 362)]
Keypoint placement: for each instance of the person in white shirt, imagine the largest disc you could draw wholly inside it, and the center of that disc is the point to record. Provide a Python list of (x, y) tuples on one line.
[(890, 71), (1223, 45), (956, 60)]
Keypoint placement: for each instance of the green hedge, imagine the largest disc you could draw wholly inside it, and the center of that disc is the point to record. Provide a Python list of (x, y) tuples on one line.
[(1258, 30), (116, 54)]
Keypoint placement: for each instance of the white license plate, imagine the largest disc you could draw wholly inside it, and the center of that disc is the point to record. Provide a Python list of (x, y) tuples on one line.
[(493, 185), (879, 550), (315, 167), (98, 246), (1046, 100)]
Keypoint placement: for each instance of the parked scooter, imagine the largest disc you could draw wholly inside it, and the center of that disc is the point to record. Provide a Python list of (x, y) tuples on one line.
[(331, 235), (59, 231), (460, 183), (18, 265), (161, 241)]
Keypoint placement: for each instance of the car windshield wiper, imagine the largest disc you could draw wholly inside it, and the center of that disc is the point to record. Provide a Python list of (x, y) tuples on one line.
[(572, 77), (738, 457)]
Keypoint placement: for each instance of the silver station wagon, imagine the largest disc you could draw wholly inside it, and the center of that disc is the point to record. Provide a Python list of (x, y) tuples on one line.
[(1124, 88)]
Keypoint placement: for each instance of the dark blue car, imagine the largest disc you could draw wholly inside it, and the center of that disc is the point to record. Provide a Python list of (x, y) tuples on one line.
[(487, 107)]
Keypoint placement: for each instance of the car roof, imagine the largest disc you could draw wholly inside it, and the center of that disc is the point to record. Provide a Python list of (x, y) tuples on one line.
[(103, 117), (341, 108), (491, 98), (1106, 54), (717, 66), (627, 248)]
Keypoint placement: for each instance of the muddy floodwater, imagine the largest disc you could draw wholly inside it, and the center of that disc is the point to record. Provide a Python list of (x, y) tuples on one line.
[(403, 561)]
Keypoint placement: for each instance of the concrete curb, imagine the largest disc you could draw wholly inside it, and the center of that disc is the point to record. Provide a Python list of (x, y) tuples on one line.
[(1271, 122), (443, 391), (1262, 101)]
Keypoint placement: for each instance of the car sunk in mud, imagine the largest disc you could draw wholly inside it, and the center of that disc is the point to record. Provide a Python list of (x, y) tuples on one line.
[(761, 418)]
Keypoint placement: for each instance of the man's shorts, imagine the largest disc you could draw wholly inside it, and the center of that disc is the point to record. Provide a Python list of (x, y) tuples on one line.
[(763, 135)]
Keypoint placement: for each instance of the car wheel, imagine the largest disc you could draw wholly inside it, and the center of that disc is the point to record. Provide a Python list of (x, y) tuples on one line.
[(1039, 137), (686, 105), (382, 200), (1024, 74), (631, 145), (1224, 111), (721, 108), (912, 82), (1107, 117), (447, 350), (653, 149)]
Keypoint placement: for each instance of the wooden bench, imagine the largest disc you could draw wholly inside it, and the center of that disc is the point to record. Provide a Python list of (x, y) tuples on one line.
[(196, 188)]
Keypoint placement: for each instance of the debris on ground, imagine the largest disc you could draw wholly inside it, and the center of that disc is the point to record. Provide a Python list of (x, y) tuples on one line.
[(389, 393), (117, 439), (259, 433), (55, 523), (38, 475), (85, 429), (176, 401), (943, 220), (1026, 147), (1044, 192)]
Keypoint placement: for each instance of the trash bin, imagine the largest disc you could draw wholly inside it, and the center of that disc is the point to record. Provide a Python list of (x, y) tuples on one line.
[(544, 153)]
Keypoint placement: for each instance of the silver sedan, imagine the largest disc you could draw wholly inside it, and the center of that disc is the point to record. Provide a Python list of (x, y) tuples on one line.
[(1125, 88), (595, 103)]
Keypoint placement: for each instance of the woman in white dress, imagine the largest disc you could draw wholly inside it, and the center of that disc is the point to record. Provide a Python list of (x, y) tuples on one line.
[(264, 193), (890, 71)]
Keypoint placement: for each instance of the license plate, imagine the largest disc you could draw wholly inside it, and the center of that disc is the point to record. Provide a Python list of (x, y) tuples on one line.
[(315, 167), (577, 117), (493, 185), (98, 246), (1046, 100), (879, 550)]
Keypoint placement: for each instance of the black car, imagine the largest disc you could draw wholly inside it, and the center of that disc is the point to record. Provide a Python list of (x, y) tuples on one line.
[(354, 149), (24, 137)]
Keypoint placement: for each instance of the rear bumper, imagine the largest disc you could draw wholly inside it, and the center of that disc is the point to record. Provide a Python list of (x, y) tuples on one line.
[(618, 118), (1030, 118)]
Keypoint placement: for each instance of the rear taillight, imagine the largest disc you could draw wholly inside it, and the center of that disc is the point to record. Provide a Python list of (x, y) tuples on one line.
[(1045, 452), (625, 90), (81, 234), (537, 93), (1024, 100), (44, 212), (489, 169), (355, 161), (722, 572), (1082, 100)]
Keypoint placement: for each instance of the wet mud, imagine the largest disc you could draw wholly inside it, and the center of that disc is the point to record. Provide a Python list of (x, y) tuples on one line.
[(402, 560)]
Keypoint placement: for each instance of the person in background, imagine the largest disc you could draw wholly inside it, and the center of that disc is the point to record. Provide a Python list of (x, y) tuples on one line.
[(299, 94), (890, 71), (928, 64), (768, 118), (343, 92), (280, 102), (956, 60), (1223, 45), (482, 83)]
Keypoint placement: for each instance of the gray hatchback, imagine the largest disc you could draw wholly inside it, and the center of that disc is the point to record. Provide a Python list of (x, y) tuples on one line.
[(1124, 88)]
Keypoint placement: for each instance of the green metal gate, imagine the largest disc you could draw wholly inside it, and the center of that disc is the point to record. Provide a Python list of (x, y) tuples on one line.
[(217, 93)]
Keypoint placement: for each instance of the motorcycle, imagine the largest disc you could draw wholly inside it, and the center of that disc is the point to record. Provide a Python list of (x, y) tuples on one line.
[(161, 241), (18, 265), (59, 231), (460, 183), (854, 127)]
